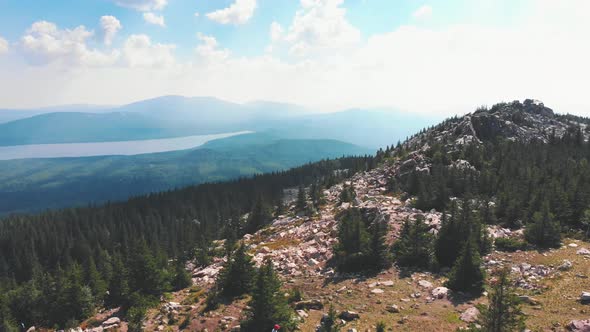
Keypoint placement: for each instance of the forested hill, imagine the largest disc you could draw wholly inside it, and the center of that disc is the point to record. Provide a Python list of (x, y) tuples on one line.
[(516, 165)]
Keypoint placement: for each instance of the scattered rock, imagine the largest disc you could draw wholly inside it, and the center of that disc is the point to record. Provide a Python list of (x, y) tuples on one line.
[(394, 309), (377, 291), (583, 251), (348, 315), (112, 321), (566, 265), (579, 325), (528, 300), (470, 315), (440, 292), (425, 284), (309, 305), (585, 297)]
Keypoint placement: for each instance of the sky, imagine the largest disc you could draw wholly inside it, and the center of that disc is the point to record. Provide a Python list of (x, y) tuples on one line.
[(428, 56)]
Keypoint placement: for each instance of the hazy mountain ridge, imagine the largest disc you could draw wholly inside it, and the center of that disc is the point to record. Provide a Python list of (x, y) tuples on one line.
[(175, 116)]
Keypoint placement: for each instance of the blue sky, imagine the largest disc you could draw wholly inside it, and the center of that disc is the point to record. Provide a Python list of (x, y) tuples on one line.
[(420, 55)]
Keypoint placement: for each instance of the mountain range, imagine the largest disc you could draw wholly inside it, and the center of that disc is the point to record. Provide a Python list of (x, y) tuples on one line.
[(176, 116)]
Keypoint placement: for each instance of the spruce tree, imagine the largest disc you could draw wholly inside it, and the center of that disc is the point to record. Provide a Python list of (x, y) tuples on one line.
[(260, 216), (268, 305), (301, 203), (182, 279), (238, 273), (414, 246), (118, 285), (503, 313), (450, 238), (467, 274), (544, 231), (353, 241), (378, 255), (330, 322)]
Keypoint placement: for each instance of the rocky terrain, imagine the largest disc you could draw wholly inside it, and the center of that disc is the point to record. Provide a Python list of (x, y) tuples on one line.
[(552, 284)]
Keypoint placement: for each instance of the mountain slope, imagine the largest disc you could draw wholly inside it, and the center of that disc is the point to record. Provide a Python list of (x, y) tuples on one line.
[(35, 184)]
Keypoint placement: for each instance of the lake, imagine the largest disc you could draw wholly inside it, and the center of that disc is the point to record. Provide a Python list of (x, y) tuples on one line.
[(125, 148)]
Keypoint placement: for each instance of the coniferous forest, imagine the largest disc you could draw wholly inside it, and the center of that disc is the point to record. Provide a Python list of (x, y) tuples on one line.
[(58, 267)]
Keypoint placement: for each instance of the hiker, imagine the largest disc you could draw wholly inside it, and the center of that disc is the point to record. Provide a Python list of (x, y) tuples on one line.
[(276, 328)]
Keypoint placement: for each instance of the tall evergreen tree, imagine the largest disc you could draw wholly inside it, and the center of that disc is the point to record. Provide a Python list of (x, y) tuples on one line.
[(413, 248), (544, 231), (259, 217), (503, 314), (467, 274), (301, 203), (378, 254), (238, 273), (268, 305)]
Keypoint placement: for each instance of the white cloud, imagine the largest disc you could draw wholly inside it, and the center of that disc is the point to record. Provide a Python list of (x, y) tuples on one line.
[(152, 18), (44, 43), (319, 26), (208, 51), (139, 51), (423, 12), (276, 31), (239, 12), (142, 5), (447, 69), (109, 25), (3, 45)]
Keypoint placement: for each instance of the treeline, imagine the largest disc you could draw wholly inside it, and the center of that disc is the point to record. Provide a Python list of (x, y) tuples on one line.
[(66, 261)]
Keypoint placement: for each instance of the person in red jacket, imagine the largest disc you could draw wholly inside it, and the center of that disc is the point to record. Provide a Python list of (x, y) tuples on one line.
[(276, 328)]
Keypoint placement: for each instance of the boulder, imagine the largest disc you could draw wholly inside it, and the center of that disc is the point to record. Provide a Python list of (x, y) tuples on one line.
[(583, 251), (388, 283), (585, 297), (566, 265), (440, 292), (377, 291), (348, 315), (111, 321), (394, 309), (309, 304), (425, 284), (579, 325), (470, 315)]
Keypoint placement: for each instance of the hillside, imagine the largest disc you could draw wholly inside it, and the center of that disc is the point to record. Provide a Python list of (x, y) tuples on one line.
[(38, 184), (416, 237)]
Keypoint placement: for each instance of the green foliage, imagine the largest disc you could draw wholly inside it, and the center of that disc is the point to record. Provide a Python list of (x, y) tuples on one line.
[(503, 314), (467, 274), (330, 322), (356, 245), (301, 202), (544, 231), (237, 276), (268, 305), (509, 244), (182, 279), (259, 217), (413, 248), (347, 195)]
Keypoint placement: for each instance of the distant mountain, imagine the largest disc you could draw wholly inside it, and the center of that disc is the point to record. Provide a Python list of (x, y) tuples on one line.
[(36, 184), (7, 115), (175, 116)]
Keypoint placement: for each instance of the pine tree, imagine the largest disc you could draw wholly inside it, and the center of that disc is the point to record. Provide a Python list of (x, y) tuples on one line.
[(414, 246), (95, 281), (268, 305), (353, 241), (544, 231), (450, 238), (347, 195), (503, 313), (259, 217), (238, 273), (119, 284), (182, 278), (378, 253), (330, 322), (467, 274), (301, 203)]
